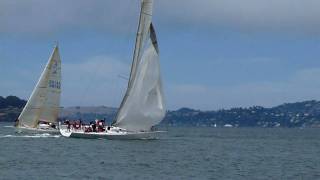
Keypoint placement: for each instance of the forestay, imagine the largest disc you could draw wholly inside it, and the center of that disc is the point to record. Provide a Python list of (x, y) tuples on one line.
[(143, 104), (44, 102)]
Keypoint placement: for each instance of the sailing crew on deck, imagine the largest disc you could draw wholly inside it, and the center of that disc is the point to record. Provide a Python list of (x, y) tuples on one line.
[(101, 126), (52, 125), (67, 122), (77, 125), (93, 126)]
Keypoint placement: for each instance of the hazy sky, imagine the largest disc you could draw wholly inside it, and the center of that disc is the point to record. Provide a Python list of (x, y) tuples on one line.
[(214, 53)]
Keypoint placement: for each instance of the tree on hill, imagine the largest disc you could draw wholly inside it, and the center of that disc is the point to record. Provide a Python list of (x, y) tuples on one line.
[(2, 102), (11, 101)]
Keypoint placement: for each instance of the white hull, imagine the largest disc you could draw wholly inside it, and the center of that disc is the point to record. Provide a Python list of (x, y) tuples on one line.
[(36, 130), (111, 135)]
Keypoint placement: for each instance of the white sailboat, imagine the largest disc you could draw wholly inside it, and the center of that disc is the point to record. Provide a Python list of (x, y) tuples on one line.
[(143, 104), (40, 114)]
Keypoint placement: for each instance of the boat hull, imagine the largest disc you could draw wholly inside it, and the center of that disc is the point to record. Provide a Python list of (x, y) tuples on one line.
[(109, 135), (36, 130)]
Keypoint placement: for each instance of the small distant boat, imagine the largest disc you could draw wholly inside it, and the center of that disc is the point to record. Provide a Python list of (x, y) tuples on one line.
[(228, 126), (40, 114), (143, 104)]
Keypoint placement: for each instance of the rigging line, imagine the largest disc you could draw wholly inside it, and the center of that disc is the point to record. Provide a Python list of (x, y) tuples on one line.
[(89, 80), (92, 81), (123, 77), (127, 32)]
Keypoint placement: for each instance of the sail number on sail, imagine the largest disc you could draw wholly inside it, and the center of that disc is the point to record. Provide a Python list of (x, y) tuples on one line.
[(55, 84)]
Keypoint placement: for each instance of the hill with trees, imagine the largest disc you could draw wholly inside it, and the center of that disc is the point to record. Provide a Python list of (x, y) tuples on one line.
[(10, 107), (299, 114)]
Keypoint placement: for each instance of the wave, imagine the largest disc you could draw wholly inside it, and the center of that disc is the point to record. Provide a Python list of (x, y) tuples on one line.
[(8, 126), (31, 136)]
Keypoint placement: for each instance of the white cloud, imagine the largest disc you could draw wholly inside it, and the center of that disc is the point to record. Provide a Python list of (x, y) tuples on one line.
[(309, 76), (94, 81), (303, 85), (102, 67)]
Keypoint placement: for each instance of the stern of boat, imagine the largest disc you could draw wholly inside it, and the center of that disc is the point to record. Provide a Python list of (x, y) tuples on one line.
[(64, 131)]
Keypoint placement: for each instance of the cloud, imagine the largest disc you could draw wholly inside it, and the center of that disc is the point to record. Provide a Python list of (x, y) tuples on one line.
[(89, 81), (102, 67), (308, 76), (249, 15), (94, 81), (303, 85), (37, 16)]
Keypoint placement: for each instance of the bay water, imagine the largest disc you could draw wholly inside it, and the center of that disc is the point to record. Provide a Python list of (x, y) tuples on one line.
[(181, 153)]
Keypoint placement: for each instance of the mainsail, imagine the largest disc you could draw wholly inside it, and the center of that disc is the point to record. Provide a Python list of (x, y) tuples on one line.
[(44, 102), (143, 104)]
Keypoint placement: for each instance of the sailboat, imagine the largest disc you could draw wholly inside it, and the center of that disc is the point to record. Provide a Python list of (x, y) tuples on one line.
[(40, 114), (143, 104)]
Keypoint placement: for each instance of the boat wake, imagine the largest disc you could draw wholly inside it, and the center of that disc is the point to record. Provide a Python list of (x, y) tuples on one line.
[(8, 126), (46, 135)]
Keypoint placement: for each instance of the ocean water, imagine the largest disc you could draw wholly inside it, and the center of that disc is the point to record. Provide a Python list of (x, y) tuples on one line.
[(182, 153)]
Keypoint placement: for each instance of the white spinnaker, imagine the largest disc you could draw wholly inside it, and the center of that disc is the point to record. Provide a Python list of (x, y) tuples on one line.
[(44, 102), (143, 105)]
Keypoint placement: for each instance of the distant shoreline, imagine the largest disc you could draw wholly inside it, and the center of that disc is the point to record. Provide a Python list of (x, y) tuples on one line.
[(289, 115)]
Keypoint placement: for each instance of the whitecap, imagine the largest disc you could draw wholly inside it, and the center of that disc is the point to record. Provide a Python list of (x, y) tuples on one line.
[(31, 136), (8, 126)]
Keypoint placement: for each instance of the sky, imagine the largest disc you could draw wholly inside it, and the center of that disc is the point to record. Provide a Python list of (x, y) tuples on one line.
[(214, 53)]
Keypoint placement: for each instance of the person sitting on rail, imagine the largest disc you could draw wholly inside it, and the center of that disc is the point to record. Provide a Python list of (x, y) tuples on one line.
[(77, 125), (101, 126), (93, 126), (88, 129)]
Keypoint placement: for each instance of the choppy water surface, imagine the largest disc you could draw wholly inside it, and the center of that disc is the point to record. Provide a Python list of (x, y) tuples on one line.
[(182, 153)]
